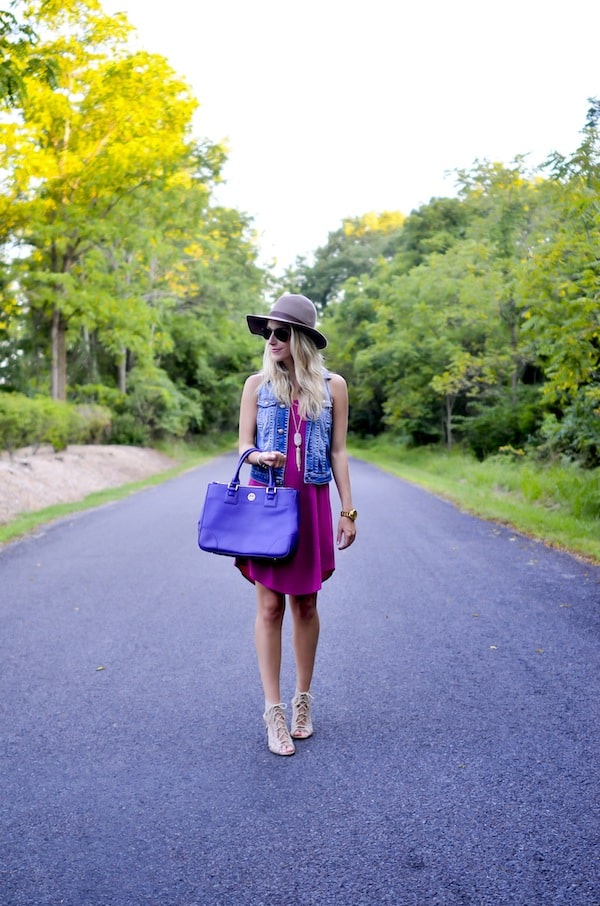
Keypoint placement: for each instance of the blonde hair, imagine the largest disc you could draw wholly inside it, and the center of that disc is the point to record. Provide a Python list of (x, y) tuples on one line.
[(309, 367)]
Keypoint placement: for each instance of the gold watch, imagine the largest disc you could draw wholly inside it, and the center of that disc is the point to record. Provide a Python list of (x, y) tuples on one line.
[(351, 514)]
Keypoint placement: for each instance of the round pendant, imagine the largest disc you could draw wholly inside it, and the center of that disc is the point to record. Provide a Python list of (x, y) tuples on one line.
[(298, 439)]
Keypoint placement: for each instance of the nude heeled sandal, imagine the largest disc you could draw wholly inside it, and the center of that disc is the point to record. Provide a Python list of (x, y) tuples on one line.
[(280, 741), (302, 726)]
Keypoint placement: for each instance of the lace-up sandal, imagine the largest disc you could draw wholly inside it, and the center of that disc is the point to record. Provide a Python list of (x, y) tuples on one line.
[(302, 726), (280, 741)]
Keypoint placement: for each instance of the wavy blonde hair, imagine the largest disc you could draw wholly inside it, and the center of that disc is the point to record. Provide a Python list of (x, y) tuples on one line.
[(310, 375)]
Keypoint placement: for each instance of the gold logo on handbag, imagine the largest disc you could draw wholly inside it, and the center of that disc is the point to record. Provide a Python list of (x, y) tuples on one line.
[(251, 496)]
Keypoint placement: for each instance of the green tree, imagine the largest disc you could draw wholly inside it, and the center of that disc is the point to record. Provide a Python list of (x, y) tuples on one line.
[(118, 122), (510, 214), (560, 288), (431, 229), (561, 284), (20, 60), (351, 251)]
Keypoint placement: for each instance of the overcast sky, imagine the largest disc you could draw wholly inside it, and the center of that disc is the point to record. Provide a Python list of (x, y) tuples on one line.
[(334, 108)]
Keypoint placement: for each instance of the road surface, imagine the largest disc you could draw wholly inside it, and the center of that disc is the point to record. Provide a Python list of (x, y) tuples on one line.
[(457, 697)]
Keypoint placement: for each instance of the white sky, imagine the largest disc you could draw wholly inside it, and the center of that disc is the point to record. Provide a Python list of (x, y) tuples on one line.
[(334, 108)]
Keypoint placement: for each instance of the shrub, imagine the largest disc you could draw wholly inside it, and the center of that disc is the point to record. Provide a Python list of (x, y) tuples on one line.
[(31, 422), (159, 405), (502, 423), (96, 423), (576, 436), (15, 421), (127, 429)]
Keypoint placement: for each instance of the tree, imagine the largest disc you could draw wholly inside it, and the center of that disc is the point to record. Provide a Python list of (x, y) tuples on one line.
[(561, 292), (118, 123), (510, 215), (20, 60), (561, 286), (351, 251), (431, 229)]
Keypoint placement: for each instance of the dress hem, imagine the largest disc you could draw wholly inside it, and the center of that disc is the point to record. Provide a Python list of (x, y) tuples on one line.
[(242, 565)]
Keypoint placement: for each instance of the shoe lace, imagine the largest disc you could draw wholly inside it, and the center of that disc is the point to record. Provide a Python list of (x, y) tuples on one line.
[(302, 709), (276, 718)]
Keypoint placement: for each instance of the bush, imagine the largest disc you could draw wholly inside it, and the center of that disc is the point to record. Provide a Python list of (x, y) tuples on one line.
[(127, 429), (16, 422), (576, 436), (95, 423), (31, 422), (159, 405), (502, 423)]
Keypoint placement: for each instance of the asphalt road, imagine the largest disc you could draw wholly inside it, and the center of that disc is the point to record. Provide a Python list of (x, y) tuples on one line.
[(457, 699)]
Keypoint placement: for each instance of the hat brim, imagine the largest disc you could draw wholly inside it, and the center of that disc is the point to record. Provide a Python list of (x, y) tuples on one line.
[(257, 322)]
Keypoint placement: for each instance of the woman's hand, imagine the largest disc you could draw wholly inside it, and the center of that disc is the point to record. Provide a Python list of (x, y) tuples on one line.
[(346, 532), (273, 459)]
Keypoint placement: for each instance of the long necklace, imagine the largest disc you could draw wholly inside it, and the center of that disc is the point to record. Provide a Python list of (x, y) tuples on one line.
[(297, 438)]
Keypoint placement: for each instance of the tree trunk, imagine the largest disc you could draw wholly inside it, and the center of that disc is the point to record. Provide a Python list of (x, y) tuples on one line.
[(91, 359), (123, 372), (449, 410), (59, 356)]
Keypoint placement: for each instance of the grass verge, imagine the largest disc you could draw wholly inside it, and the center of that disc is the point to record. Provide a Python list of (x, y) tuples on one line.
[(185, 456), (557, 504)]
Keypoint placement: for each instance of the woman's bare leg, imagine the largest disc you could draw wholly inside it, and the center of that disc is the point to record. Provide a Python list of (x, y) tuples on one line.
[(269, 620), (306, 637), (267, 634)]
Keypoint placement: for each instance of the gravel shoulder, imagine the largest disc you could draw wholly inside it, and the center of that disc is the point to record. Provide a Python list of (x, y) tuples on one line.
[(32, 479)]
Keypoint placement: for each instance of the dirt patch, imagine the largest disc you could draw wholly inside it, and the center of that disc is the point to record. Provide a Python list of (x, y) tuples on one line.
[(32, 480)]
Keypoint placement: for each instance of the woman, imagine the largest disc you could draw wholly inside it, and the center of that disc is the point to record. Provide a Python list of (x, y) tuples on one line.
[(296, 413)]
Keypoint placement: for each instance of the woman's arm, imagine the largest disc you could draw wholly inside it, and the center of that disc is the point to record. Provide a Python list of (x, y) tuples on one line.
[(248, 410), (346, 531), (247, 428)]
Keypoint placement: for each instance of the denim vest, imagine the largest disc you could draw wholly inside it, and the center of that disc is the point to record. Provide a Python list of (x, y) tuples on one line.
[(272, 424)]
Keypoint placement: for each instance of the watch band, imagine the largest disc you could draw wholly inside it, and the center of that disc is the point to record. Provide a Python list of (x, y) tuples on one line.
[(351, 514)]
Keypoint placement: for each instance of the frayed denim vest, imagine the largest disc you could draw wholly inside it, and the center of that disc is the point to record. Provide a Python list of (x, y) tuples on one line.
[(272, 423)]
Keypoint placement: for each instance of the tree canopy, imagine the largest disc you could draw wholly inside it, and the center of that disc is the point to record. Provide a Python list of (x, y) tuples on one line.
[(21, 60), (484, 325), (111, 236), (473, 320)]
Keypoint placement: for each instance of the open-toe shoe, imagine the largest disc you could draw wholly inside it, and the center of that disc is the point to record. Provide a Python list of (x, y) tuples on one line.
[(302, 726), (280, 741)]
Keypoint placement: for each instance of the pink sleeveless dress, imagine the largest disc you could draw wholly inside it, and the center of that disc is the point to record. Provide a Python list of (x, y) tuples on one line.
[(314, 559)]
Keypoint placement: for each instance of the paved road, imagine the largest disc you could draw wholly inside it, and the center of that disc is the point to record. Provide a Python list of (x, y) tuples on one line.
[(455, 758)]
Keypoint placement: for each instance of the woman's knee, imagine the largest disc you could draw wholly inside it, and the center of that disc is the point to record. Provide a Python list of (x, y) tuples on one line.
[(271, 605), (304, 607)]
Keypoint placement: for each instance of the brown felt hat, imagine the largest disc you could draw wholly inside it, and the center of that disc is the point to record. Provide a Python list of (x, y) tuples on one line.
[(291, 309)]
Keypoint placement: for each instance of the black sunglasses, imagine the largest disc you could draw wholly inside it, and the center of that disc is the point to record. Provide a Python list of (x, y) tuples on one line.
[(281, 333)]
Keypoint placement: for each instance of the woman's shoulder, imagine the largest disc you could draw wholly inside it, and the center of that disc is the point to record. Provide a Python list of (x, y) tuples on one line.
[(336, 381), (338, 389), (254, 381)]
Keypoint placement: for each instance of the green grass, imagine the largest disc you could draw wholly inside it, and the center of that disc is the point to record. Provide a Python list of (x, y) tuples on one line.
[(558, 504), (186, 457)]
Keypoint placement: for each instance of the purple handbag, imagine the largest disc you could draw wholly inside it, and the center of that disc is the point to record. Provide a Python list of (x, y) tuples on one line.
[(257, 522)]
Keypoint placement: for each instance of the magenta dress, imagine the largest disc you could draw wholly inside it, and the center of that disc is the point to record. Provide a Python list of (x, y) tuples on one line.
[(314, 559)]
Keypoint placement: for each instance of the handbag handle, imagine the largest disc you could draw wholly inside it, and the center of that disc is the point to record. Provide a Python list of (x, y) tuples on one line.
[(234, 483)]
